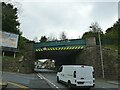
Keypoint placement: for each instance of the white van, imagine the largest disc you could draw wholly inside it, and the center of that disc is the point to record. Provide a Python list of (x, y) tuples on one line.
[(76, 75)]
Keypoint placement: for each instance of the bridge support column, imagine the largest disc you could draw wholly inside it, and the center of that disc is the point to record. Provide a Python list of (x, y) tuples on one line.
[(27, 65), (90, 56)]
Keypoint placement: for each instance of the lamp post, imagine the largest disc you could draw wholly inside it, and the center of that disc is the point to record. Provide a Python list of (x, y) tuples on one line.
[(101, 56)]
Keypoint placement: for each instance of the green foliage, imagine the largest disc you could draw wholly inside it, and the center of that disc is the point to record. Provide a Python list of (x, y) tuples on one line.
[(94, 30), (63, 36), (109, 39), (113, 47), (94, 27), (89, 34), (22, 41), (92, 34), (112, 32), (10, 21), (43, 39)]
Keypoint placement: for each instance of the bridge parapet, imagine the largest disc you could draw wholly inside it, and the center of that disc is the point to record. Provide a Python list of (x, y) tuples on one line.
[(60, 45)]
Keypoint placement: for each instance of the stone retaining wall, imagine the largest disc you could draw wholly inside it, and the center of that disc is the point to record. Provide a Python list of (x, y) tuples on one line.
[(91, 56)]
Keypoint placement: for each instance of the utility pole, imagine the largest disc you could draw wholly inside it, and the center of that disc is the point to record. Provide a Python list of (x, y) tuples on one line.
[(101, 56)]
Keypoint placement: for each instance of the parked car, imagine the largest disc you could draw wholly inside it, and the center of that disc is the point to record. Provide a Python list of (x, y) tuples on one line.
[(76, 75)]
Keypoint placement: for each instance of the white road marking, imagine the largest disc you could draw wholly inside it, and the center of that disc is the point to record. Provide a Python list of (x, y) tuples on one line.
[(48, 81), (39, 75), (109, 88)]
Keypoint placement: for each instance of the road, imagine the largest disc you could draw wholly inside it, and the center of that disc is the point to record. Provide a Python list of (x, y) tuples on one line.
[(101, 84), (29, 81), (37, 81)]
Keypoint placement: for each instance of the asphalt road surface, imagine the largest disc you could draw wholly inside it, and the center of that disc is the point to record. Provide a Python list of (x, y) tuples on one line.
[(24, 81), (100, 84), (41, 81)]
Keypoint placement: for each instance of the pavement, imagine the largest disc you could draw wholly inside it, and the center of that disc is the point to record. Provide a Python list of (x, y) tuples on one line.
[(102, 83), (115, 82)]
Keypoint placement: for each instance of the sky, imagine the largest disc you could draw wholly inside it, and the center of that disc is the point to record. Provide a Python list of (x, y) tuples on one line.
[(50, 18)]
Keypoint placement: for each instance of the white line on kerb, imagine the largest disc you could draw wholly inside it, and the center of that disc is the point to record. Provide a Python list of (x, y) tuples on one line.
[(49, 81)]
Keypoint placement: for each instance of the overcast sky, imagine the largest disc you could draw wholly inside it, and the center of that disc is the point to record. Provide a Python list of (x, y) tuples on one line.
[(74, 18)]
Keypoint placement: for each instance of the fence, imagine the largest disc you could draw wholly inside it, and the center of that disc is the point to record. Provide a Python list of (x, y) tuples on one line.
[(107, 42)]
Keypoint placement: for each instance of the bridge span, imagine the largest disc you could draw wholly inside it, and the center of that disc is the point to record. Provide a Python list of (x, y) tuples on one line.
[(63, 52)]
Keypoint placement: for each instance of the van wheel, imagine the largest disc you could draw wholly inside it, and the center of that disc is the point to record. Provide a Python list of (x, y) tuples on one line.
[(58, 79), (69, 84)]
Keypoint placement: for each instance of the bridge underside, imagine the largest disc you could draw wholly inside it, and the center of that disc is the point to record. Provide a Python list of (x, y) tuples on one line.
[(61, 57)]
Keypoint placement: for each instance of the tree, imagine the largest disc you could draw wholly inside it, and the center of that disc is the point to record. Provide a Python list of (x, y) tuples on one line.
[(22, 42), (79, 37), (43, 39), (52, 38), (89, 34), (35, 39), (10, 21), (94, 29), (63, 36), (112, 32)]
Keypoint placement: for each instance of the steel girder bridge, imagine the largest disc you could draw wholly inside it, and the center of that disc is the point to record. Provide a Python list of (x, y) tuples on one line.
[(63, 52)]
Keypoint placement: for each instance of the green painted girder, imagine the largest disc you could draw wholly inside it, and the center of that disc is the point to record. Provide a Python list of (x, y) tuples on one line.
[(62, 43)]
